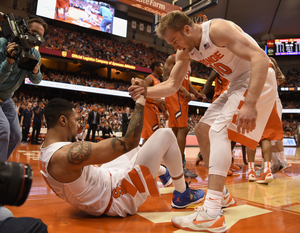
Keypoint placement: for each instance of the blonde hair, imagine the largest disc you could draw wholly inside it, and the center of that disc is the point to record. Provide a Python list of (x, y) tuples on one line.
[(175, 20)]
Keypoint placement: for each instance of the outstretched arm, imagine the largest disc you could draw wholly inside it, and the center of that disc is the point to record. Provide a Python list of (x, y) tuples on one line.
[(172, 85)]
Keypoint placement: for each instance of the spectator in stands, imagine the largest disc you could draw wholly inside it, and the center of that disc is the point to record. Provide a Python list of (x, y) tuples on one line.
[(37, 122), (126, 116), (93, 123), (107, 131), (26, 122)]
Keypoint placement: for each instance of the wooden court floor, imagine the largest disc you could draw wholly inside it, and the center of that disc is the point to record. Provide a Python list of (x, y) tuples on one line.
[(259, 208)]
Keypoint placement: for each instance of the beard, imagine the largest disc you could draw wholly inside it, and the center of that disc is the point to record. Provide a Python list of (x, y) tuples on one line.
[(73, 139)]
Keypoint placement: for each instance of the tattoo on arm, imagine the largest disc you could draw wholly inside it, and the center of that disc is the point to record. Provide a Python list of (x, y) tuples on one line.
[(79, 152), (134, 131)]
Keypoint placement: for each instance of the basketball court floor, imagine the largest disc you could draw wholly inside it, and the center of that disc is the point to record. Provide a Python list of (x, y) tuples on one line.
[(259, 208)]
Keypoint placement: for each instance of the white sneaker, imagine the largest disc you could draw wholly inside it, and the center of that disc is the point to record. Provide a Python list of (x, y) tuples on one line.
[(227, 199), (200, 221)]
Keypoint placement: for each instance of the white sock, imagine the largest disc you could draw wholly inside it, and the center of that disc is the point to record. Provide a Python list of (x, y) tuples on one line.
[(282, 157), (275, 158), (213, 202), (267, 166), (251, 166), (161, 171), (262, 163), (179, 185)]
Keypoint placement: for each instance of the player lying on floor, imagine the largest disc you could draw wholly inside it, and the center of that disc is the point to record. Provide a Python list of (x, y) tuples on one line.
[(126, 175)]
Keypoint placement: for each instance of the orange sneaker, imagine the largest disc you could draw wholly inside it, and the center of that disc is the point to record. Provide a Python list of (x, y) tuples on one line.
[(229, 173), (234, 168), (265, 177), (252, 176)]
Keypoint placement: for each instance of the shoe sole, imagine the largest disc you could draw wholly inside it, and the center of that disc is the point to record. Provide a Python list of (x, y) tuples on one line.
[(252, 179), (266, 181), (218, 230), (232, 202), (183, 207), (190, 177)]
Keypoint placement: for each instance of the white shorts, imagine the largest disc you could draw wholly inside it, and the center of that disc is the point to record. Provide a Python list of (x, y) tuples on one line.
[(279, 107), (223, 111), (131, 184)]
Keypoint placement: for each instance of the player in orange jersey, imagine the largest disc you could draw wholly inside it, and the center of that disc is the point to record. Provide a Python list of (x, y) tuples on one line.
[(177, 106), (151, 117)]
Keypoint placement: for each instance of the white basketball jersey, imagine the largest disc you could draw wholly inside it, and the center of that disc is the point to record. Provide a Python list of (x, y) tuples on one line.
[(91, 192), (222, 60)]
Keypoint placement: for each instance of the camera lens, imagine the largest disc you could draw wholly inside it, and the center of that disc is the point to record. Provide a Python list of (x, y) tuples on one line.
[(15, 183)]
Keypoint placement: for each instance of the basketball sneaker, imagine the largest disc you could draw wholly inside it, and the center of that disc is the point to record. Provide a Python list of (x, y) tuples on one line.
[(200, 221), (188, 174), (265, 177), (188, 197), (234, 168), (166, 179), (259, 171), (229, 173), (199, 158), (277, 167), (227, 199), (252, 176)]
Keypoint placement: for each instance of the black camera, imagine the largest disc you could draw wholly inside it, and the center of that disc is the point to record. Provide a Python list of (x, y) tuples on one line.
[(17, 30), (15, 183)]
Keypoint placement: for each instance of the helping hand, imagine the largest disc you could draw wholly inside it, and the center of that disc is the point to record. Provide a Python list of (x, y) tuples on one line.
[(137, 88)]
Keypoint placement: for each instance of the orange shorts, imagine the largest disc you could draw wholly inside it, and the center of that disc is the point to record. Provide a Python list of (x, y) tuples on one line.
[(178, 110), (151, 120)]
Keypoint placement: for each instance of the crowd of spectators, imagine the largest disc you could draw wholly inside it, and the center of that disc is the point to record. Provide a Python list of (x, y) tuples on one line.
[(290, 127), (112, 113), (85, 80), (91, 44), (292, 78)]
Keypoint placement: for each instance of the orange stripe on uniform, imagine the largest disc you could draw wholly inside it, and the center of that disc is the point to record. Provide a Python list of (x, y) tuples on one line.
[(136, 181), (240, 104), (150, 181), (273, 129), (236, 137), (128, 187)]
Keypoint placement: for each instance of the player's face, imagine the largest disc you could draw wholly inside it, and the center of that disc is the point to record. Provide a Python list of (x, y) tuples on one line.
[(160, 69), (73, 124), (180, 40)]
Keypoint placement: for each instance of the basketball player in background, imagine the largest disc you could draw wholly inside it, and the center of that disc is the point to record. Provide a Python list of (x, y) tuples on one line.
[(151, 116), (221, 85), (178, 108)]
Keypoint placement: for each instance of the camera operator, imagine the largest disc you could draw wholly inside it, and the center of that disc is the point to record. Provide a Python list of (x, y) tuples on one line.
[(11, 78)]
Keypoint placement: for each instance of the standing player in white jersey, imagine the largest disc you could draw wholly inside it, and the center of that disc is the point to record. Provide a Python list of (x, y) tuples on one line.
[(240, 114), (124, 179)]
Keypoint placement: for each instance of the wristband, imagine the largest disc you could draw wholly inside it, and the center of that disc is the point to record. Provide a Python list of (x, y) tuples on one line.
[(141, 100)]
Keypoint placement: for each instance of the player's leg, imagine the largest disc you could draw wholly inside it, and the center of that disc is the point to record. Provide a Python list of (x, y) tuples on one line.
[(266, 176), (251, 163), (162, 145)]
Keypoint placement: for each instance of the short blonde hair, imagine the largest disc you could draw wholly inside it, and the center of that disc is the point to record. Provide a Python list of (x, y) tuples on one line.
[(175, 20)]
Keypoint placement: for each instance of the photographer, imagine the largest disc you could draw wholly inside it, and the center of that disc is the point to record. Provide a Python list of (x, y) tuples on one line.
[(11, 78)]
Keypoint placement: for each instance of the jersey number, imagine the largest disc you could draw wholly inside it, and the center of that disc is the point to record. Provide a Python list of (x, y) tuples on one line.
[(221, 68)]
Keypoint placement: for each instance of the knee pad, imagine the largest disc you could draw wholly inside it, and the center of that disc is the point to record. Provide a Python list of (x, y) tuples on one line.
[(220, 152)]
